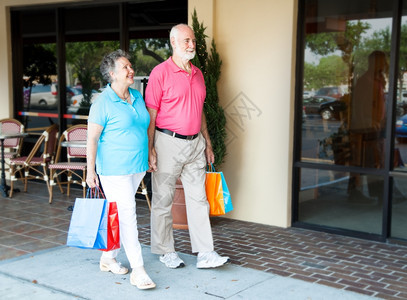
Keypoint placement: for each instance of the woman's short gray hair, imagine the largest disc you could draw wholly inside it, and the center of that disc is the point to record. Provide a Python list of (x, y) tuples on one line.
[(108, 63)]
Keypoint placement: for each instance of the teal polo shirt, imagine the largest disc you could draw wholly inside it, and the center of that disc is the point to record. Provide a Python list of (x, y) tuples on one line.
[(123, 143)]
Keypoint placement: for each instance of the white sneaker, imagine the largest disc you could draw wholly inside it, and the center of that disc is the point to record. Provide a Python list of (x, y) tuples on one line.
[(172, 260), (206, 260)]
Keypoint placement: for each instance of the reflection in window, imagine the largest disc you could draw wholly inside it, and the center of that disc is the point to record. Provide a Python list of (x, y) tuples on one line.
[(345, 103), (83, 80), (146, 54), (344, 97), (399, 208), (401, 106), (324, 200), (40, 92)]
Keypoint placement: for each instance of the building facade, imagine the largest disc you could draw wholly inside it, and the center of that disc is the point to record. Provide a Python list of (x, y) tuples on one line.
[(299, 152)]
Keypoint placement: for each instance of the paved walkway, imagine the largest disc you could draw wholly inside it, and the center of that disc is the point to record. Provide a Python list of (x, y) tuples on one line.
[(300, 258), (70, 273)]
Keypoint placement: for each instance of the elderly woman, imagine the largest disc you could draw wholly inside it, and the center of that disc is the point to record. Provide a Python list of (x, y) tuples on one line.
[(118, 145)]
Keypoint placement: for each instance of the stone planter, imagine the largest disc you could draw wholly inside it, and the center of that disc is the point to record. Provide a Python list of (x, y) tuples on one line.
[(179, 211)]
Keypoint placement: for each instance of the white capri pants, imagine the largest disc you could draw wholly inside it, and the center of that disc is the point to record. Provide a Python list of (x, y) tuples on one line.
[(122, 190)]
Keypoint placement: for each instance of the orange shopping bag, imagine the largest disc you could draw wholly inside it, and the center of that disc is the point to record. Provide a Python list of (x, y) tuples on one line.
[(217, 193)]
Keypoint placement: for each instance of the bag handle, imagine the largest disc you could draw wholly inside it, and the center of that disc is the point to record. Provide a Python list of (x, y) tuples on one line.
[(210, 168), (95, 193)]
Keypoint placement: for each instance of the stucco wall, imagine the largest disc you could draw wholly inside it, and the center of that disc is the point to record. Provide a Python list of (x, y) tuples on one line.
[(5, 66), (256, 42)]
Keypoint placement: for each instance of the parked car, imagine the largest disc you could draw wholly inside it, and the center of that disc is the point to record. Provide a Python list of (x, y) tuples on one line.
[(76, 101), (307, 94), (327, 107), (42, 95), (47, 95), (330, 91), (401, 128)]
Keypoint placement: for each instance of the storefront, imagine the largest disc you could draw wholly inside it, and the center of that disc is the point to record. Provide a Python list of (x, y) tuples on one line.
[(350, 145), (297, 152)]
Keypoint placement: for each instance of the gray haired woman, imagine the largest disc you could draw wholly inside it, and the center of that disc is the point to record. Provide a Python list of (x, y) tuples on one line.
[(117, 146)]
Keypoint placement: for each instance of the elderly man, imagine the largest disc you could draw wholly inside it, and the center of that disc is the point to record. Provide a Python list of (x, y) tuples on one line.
[(179, 147)]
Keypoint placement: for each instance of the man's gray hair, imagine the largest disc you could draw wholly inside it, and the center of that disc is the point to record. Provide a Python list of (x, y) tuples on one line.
[(175, 29), (108, 63)]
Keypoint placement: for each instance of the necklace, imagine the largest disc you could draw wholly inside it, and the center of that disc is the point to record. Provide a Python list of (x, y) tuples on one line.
[(124, 98)]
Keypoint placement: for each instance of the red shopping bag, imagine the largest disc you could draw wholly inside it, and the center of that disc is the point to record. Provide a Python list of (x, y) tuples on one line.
[(113, 232), (94, 223)]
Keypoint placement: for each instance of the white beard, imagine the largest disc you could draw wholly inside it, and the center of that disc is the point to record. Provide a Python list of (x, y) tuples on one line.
[(185, 55), (189, 55)]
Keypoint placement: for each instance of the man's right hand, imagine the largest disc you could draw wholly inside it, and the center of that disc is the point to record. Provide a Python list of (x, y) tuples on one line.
[(152, 160)]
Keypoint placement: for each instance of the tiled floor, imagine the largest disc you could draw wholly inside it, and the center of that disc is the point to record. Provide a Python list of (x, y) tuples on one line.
[(28, 224)]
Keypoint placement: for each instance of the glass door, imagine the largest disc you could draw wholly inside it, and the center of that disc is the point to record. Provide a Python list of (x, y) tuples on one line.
[(346, 103), (399, 175)]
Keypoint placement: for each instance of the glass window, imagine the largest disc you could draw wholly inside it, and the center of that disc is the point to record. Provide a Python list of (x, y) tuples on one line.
[(146, 54), (401, 106), (399, 191), (345, 104), (39, 69), (87, 42), (345, 82), (324, 200), (399, 208), (149, 27), (83, 81)]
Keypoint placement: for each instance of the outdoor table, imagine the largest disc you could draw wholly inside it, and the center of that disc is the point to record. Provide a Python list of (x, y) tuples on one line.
[(75, 144), (4, 188)]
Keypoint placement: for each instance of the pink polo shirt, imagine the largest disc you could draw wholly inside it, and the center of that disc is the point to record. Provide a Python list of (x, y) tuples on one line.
[(177, 96)]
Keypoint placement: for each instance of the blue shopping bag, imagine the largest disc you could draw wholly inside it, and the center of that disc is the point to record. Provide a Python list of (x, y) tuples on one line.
[(88, 227)]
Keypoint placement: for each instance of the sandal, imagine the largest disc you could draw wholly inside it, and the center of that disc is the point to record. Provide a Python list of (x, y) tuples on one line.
[(114, 267), (141, 280)]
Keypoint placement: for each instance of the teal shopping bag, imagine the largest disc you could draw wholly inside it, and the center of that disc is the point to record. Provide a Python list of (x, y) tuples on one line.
[(226, 195), (88, 227), (217, 193)]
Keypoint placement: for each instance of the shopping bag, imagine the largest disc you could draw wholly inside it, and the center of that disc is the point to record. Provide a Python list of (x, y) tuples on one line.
[(88, 227), (113, 233), (217, 193), (94, 223)]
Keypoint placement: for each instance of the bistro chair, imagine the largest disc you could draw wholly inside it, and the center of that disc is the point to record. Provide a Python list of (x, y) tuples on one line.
[(72, 169), (142, 189), (35, 165), (12, 146)]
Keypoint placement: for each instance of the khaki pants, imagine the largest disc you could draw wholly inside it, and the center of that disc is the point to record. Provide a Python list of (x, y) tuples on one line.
[(178, 158)]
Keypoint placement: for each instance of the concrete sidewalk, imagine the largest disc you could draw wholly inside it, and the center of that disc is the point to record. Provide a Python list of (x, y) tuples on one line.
[(71, 273)]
